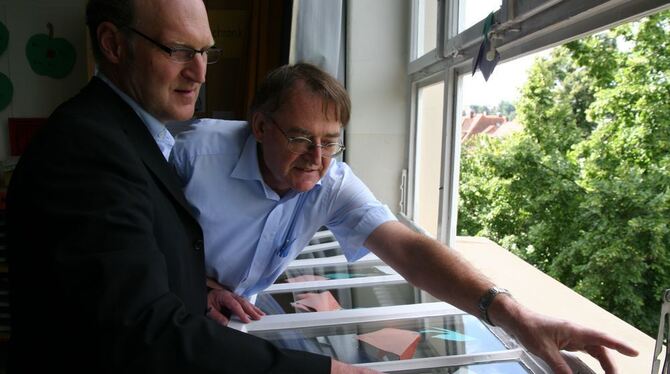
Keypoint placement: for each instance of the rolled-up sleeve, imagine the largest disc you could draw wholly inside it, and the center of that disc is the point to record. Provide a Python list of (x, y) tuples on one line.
[(354, 212)]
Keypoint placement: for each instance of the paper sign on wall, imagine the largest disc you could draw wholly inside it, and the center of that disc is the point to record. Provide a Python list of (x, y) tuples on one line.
[(49, 56)]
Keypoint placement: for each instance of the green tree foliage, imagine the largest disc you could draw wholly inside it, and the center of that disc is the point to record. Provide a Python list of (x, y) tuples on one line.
[(504, 108), (584, 192)]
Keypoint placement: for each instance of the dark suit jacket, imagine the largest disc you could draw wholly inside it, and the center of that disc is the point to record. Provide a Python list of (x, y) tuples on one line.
[(106, 261)]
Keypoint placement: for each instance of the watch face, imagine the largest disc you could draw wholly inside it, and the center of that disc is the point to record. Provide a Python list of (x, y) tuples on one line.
[(486, 301)]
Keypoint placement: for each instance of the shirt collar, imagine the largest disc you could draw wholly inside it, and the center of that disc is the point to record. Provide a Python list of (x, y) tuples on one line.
[(247, 168), (156, 128), (247, 165)]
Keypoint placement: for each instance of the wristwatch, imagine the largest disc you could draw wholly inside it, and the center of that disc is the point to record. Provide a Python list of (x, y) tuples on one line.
[(486, 300)]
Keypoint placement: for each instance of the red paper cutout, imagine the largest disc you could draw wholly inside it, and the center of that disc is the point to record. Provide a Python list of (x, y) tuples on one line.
[(316, 302), (401, 343)]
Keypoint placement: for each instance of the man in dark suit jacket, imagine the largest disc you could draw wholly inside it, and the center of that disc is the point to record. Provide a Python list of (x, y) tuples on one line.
[(106, 261)]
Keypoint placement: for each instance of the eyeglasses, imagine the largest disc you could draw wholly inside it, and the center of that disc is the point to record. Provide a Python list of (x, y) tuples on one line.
[(183, 54), (301, 145)]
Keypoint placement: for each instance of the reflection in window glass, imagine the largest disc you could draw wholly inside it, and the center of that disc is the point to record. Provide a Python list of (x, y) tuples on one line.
[(428, 156), (426, 32), (327, 252), (334, 299), (391, 340), (320, 273), (473, 11)]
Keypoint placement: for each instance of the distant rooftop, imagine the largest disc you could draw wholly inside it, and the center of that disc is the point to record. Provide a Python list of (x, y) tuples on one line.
[(492, 125)]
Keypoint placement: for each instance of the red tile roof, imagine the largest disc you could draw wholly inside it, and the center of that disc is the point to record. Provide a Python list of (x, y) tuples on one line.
[(493, 125)]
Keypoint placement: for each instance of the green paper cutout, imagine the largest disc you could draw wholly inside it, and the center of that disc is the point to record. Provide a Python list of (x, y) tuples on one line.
[(6, 91), (53, 57), (4, 38)]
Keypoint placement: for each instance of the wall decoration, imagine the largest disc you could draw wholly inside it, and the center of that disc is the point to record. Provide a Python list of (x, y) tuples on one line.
[(4, 38), (53, 57), (6, 91)]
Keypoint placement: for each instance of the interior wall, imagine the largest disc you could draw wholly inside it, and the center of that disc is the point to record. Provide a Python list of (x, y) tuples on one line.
[(377, 54), (233, 24), (36, 95)]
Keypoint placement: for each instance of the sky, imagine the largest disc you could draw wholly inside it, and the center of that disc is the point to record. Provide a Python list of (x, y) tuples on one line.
[(503, 84), (507, 79)]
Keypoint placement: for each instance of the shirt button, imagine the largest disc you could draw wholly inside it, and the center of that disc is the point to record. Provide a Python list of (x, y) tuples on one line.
[(198, 245)]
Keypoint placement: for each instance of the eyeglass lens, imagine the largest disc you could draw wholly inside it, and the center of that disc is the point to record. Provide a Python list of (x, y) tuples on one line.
[(187, 54), (304, 145)]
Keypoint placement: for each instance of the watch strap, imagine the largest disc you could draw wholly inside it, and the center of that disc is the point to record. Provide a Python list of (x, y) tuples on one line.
[(486, 300)]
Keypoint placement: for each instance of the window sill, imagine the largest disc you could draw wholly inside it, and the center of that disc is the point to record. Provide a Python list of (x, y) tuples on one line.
[(546, 295)]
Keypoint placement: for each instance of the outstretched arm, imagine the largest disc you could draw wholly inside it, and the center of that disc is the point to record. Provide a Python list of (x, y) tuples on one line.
[(443, 273)]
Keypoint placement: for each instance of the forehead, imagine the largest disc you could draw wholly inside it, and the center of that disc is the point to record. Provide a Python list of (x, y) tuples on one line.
[(176, 21), (309, 112)]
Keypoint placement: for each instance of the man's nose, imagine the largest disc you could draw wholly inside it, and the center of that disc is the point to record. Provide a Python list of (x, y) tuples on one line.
[(315, 153), (196, 69)]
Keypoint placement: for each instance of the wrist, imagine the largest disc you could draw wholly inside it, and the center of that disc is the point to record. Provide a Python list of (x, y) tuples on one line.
[(487, 300), (214, 285)]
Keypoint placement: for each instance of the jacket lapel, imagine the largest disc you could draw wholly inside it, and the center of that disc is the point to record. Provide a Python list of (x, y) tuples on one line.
[(143, 142)]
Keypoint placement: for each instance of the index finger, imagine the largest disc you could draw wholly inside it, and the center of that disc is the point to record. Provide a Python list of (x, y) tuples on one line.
[(601, 339), (252, 310), (236, 308)]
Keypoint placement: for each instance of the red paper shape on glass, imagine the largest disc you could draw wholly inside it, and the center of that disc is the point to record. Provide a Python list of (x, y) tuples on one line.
[(401, 343), (316, 302), (305, 278)]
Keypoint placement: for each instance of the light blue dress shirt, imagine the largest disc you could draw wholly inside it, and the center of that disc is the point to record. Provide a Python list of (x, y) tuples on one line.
[(161, 135), (246, 223)]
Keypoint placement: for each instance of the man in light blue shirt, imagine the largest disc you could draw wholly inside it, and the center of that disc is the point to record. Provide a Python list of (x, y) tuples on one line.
[(259, 204), (252, 231), (261, 190)]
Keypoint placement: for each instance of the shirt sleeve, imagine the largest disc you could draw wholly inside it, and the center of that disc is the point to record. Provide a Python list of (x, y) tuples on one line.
[(354, 211), (180, 161)]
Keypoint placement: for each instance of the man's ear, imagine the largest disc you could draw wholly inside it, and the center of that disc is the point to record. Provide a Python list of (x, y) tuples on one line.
[(111, 42), (258, 121)]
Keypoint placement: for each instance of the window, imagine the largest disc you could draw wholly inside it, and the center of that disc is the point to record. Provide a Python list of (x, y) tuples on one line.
[(428, 156), (425, 35), (402, 338), (519, 28), (471, 109), (473, 11)]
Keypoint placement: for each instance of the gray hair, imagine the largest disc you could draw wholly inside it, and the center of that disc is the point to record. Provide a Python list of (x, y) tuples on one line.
[(273, 91)]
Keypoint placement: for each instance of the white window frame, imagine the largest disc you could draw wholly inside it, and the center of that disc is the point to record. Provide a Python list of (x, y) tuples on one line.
[(427, 58), (522, 27), (336, 284), (295, 321), (339, 260), (312, 248)]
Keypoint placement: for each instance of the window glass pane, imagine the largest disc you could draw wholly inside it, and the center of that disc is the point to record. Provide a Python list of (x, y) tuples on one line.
[(331, 272), (426, 32), (472, 11), (335, 299), (428, 156), (391, 340)]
